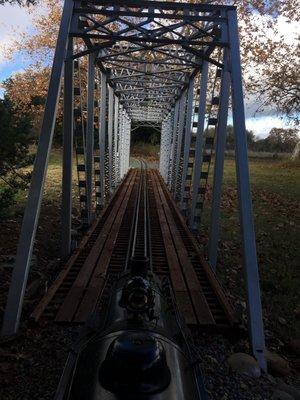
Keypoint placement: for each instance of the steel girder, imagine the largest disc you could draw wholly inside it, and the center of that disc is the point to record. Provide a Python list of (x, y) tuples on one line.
[(149, 50)]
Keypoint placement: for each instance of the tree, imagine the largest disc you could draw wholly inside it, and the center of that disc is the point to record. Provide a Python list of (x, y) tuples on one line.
[(270, 65), (15, 131), (296, 152), (282, 140), (230, 140), (20, 2), (29, 91)]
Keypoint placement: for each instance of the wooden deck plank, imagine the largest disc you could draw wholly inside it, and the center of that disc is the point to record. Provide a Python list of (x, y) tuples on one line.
[(211, 276), (97, 281), (72, 300), (201, 306), (38, 311), (179, 286)]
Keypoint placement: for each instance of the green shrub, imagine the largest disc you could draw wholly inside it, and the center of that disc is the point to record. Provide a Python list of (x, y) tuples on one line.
[(7, 198)]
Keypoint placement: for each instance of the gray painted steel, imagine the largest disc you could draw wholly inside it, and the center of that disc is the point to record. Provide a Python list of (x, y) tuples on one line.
[(255, 321), (66, 208), (90, 136), (187, 143), (30, 221), (102, 137), (199, 144), (219, 166), (178, 146), (110, 136)]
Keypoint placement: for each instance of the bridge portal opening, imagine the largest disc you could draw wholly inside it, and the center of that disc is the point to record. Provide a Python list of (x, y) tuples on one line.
[(145, 142)]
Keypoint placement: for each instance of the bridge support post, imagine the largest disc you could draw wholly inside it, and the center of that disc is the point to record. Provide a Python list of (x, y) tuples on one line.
[(30, 221), (178, 146), (168, 134), (173, 145), (128, 142), (255, 319), (115, 141), (199, 144), (165, 146), (102, 137), (121, 143), (110, 136), (66, 209), (90, 136), (219, 165), (187, 144)]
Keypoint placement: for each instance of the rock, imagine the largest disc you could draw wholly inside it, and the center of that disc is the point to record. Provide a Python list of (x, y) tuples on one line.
[(292, 391), (277, 365), (279, 395), (296, 364), (5, 367), (33, 288), (294, 345), (244, 364), (282, 321)]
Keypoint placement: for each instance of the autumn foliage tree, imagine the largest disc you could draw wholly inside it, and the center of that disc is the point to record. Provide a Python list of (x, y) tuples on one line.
[(15, 130), (270, 63)]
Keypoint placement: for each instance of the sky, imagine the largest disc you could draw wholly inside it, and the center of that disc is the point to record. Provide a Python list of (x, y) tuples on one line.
[(14, 20)]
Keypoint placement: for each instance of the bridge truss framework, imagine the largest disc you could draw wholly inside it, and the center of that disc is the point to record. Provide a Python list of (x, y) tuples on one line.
[(167, 64)]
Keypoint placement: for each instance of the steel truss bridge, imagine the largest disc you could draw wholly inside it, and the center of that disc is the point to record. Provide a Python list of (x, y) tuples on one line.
[(172, 66)]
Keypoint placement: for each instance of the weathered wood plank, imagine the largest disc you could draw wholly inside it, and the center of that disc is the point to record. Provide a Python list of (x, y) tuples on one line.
[(97, 280), (38, 311), (179, 286), (73, 298), (200, 304), (213, 280)]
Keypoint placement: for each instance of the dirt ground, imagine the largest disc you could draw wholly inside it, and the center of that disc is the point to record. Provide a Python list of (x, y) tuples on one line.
[(31, 363)]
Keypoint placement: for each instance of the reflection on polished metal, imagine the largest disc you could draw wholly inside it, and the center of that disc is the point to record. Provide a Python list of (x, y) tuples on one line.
[(167, 65)]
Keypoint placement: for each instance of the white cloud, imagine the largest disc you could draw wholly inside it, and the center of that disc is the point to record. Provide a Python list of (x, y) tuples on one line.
[(261, 126), (13, 20), (287, 32)]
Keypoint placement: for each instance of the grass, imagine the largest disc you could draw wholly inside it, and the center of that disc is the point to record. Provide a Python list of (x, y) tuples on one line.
[(276, 192), (142, 149)]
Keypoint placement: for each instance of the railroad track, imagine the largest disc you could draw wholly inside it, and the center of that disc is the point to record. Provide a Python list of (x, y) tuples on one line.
[(158, 234)]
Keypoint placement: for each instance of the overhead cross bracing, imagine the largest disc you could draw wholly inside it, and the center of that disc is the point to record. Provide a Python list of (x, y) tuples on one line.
[(149, 50), (167, 64)]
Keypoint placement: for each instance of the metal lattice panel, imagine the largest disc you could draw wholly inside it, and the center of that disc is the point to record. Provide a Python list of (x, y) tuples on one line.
[(148, 49)]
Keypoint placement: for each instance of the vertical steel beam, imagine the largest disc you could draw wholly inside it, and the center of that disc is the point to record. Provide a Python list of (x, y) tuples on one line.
[(102, 137), (182, 112), (29, 225), (90, 136), (116, 141), (219, 164), (168, 146), (120, 147), (255, 319), (110, 136), (162, 146), (163, 156), (187, 140), (128, 142), (173, 144), (199, 143), (121, 144), (66, 209)]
